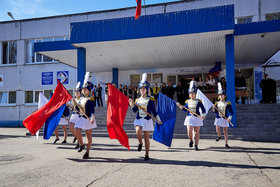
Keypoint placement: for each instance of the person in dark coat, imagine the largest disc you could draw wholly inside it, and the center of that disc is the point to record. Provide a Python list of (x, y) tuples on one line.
[(240, 84), (180, 96), (170, 90), (163, 89), (268, 90), (99, 95)]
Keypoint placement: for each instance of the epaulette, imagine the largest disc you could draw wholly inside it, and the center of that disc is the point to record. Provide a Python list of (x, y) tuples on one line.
[(229, 103), (152, 98), (199, 100), (91, 98), (136, 100), (216, 103), (186, 101)]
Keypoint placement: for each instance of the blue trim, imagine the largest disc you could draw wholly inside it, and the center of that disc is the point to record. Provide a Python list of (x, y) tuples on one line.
[(81, 62), (230, 75), (11, 124), (53, 46), (156, 25), (115, 72), (257, 27)]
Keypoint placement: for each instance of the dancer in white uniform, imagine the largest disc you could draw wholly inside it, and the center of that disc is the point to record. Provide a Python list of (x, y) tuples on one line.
[(143, 122), (192, 121), (86, 104), (224, 110)]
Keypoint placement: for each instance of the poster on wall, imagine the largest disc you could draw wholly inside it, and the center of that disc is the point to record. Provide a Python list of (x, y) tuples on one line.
[(47, 78), (1, 80), (63, 76)]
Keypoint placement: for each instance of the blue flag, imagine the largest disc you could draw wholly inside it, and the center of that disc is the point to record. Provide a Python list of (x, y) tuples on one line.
[(167, 113), (52, 122)]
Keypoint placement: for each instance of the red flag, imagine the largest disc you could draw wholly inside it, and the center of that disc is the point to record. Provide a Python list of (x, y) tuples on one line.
[(116, 111), (138, 9), (37, 119)]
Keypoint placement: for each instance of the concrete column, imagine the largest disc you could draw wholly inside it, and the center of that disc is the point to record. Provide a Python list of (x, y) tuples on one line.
[(230, 75), (115, 72), (81, 54)]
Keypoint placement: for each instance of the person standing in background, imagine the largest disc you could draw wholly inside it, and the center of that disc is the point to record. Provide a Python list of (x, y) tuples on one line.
[(125, 91), (106, 94), (180, 96), (170, 90), (240, 84), (99, 95), (163, 89), (130, 91), (121, 88)]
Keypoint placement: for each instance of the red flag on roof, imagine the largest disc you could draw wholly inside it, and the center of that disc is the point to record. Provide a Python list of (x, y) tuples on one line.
[(37, 119), (116, 111), (138, 9)]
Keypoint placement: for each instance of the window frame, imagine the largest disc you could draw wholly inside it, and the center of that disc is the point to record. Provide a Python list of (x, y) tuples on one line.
[(7, 55), (7, 103), (29, 59)]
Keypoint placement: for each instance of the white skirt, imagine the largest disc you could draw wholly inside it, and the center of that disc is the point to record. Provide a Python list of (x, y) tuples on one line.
[(193, 121), (74, 118), (63, 121), (221, 122), (85, 124), (147, 125)]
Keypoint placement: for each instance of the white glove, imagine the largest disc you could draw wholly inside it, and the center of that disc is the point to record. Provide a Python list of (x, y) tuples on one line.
[(229, 118), (131, 103), (158, 118)]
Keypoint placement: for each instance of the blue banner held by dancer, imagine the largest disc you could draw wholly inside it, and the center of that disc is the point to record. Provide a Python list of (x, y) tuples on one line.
[(52, 122), (167, 112)]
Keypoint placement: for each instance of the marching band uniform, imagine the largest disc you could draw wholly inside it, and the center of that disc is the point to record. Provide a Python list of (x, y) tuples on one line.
[(224, 109), (86, 103), (191, 120), (142, 119)]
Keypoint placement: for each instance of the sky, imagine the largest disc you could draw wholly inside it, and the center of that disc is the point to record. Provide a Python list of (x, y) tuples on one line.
[(24, 9)]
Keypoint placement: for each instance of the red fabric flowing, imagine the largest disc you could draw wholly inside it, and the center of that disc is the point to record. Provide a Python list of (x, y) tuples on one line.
[(138, 9), (116, 111), (37, 119)]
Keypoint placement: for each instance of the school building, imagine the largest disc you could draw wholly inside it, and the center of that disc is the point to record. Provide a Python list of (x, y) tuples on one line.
[(170, 41)]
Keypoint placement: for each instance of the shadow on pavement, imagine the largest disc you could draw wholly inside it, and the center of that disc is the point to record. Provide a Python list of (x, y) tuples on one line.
[(245, 149), (172, 162), (11, 136)]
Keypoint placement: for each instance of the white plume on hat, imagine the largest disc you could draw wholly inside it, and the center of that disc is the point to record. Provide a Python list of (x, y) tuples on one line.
[(86, 77), (144, 77), (78, 85), (220, 87), (191, 85)]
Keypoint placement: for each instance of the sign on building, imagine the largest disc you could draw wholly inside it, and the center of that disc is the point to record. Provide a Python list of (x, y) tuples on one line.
[(63, 76), (47, 78)]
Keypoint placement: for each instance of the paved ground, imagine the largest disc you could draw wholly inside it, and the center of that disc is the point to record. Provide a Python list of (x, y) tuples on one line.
[(24, 161)]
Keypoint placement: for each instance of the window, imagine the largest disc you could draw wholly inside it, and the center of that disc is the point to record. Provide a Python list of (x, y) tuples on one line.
[(37, 96), (244, 20), (9, 52), (272, 16), (12, 97), (171, 79), (33, 57), (3, 97), (47, 93), (28, 96), (8, 97), (151, 77), (157, 78), (134, 79)]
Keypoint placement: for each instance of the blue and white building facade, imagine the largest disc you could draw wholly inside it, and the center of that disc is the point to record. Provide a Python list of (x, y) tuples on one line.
[(169, 41)]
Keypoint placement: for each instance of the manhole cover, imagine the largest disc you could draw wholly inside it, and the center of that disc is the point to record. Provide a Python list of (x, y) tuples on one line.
[(10, 157)]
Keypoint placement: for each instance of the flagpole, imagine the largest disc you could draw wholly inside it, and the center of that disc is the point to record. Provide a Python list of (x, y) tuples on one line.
[(190, 111), (81, 110), (141, 108)]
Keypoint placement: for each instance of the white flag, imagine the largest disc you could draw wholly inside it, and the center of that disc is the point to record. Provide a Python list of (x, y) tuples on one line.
[(42, 101), (205, 101)]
